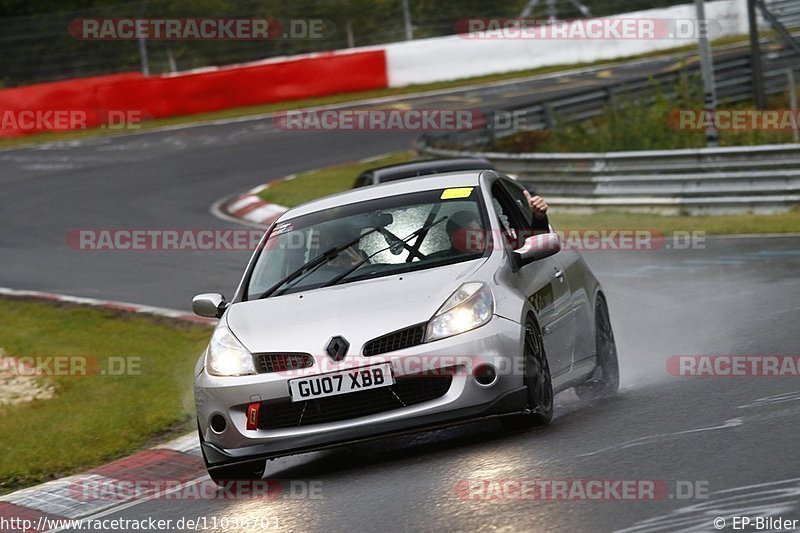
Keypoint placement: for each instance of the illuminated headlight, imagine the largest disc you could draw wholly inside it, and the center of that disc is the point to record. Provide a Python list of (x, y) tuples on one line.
[(471, 306), (225, 355)]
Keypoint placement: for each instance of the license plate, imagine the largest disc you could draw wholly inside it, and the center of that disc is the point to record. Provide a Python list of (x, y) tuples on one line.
[(335, 383)]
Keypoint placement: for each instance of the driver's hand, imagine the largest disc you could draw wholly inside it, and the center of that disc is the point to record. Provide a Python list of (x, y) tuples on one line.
[(537, 204)]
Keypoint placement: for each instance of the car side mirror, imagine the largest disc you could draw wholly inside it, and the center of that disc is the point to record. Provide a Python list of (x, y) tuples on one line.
[(537, 247), (210, 304)]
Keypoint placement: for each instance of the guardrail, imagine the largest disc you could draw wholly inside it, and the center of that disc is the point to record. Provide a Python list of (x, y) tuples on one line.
[(706, 180), (761, 179), (786, 11)]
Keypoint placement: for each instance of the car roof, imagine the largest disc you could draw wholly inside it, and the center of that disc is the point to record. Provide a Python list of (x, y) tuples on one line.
[(430, 166), (464, 178)]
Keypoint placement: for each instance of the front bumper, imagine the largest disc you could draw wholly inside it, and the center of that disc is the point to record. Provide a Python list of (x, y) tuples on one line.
[(498, 343)]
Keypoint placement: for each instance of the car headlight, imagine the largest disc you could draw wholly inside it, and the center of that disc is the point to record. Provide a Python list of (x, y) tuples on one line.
[(225, 355), (471, 306)]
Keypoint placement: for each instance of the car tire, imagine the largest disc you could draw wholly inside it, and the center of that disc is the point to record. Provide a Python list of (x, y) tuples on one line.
[(538, 383), (253, 470), (604, 382)]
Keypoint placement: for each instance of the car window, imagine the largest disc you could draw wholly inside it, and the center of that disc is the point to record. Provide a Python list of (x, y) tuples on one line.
[(457, 236), (512, 222), (520, 202)]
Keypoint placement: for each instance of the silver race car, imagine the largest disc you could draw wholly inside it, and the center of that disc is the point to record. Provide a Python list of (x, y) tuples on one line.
[(394, 308)]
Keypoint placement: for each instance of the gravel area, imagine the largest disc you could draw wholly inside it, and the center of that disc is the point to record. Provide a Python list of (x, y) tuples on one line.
[(16, 389)]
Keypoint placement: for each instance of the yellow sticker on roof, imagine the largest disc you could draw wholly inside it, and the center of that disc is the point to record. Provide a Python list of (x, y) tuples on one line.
[(460, 192)]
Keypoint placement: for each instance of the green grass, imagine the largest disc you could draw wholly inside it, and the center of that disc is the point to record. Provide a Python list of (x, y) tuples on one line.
[(322, 182), (641, 125), (94, 419), (339, 98)]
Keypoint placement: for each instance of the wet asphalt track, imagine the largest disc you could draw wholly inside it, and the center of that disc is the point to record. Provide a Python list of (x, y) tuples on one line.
[(738, 436)]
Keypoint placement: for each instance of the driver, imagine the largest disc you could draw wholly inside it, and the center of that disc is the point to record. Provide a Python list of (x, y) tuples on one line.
[(466, 233), (331, 237)]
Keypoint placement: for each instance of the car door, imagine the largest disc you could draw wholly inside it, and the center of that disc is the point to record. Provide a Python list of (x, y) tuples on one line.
[(543, 282)]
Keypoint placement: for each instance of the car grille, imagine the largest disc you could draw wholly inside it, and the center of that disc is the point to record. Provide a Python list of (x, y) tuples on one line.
[(282, 362), (407, 390), (397, 340)]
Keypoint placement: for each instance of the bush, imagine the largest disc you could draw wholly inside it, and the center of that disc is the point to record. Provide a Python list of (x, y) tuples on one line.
[(641, 124)]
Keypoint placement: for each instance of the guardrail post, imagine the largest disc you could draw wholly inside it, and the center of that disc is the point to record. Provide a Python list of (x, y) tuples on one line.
[(549, 116), (793, 103), (611, 96)]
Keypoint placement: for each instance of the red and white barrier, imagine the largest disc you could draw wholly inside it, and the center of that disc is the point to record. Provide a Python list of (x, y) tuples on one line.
[(457, 56), (188, 93), (87, 102)]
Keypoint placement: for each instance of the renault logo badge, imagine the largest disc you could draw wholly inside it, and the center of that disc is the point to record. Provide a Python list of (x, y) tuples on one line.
[(337, 348)]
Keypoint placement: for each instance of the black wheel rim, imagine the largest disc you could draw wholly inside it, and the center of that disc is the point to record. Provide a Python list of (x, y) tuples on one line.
[(606, 346), (538, 373)]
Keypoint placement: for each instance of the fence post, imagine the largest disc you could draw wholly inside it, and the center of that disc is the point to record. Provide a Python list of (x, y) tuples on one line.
[(707, 69), (755, 55), (143, 46)]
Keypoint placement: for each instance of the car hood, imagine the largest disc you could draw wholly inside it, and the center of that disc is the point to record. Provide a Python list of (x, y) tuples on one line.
[(358, 311)]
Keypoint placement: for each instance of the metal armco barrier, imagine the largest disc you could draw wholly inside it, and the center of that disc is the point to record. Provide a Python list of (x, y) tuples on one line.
[(786, 11), (761, 179)]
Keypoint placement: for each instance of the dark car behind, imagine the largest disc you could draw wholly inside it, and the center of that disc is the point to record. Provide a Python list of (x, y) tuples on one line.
[(419, 168)]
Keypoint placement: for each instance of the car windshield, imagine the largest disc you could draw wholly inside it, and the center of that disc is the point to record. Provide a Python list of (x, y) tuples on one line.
[(389, 235)]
